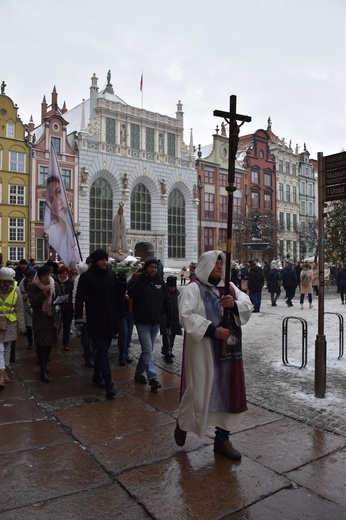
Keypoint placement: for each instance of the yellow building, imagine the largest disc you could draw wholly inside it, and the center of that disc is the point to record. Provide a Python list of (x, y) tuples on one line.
[(15, 161)]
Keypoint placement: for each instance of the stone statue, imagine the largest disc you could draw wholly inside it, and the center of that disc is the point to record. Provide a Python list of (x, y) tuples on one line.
[(84, 175), (109, 77), (123, 134), (118, 248), (163, 186), (195, 191), (3, 86), (125, 181), (256, 228), (223, 128)]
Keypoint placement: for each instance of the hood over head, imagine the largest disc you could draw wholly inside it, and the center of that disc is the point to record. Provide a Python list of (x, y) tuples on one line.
[(206, 264)]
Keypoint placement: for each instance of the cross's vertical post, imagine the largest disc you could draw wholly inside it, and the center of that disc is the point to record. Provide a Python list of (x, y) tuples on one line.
[(231, 118)]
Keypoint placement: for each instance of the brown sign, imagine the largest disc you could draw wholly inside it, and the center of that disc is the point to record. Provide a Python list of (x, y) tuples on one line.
[(335, 168), (336, 192)]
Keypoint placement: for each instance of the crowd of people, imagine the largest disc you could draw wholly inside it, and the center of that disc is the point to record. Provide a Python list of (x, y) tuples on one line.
[(43, 301)]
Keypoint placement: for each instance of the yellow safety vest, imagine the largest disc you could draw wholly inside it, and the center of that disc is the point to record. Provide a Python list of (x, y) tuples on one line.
[(7, 306)]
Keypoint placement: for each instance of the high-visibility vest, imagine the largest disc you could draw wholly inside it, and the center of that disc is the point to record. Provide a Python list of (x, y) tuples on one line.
[(8, 306)]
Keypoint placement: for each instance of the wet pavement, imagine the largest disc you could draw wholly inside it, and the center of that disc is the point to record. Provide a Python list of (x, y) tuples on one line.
[(67, 452)]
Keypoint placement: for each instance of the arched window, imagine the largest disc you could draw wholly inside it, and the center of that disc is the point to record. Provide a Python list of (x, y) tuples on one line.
[(140, 208), (101, 215), (176, 225)]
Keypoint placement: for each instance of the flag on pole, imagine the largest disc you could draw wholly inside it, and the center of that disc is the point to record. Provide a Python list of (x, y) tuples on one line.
[(58, 223), (141, 83)]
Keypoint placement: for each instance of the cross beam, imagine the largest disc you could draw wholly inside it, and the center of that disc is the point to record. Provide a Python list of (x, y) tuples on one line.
[(231, 118)]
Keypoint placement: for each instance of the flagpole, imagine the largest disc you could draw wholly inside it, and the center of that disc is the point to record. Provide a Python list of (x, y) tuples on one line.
[(141, 89)]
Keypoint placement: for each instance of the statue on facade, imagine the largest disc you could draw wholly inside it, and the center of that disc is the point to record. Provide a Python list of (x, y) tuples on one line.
[(163, 186), (256, 231), (223, 128), (109, 77), (84, 175), (195, 192), (3, 86), (118, 248), (125, 181), (123, 134)]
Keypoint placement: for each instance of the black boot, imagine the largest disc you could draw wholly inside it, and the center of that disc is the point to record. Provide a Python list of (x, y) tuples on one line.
[(44, 374), (43, 354)]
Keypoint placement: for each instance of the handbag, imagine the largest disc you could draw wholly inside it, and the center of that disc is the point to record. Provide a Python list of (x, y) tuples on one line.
[(3, 322)]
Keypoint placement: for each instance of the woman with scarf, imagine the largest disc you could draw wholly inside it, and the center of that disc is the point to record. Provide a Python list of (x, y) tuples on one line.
[(212, 386), (41, 294), (11, 319)]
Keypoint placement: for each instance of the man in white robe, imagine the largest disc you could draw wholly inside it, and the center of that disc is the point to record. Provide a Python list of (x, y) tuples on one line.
[(206, 374)]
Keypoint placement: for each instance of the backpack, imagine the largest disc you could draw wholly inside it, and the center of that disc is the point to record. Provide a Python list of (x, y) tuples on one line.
[(304, 279)]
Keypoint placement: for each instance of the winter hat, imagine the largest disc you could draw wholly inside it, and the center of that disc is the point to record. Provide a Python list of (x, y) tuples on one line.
[(99, 254), (273, 263), (171, 281), (6, 273), (30, 272), (150, 260)]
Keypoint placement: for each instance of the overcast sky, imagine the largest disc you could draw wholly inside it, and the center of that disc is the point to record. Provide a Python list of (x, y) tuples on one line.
[(282, 58)]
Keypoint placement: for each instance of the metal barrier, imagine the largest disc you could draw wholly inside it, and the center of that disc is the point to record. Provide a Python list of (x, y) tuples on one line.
[(341, 332), (304, 341)]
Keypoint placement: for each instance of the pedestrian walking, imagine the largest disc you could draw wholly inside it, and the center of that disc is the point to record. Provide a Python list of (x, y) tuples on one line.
[(342, 283), (42, 292), (255, 285), (315, 280), (183, 275), (150, 301), (289, 282), (23, 286), (11, 320), (169, 333), (212, 386), (64, 289), (273, 283), (326, 275), (306, 278), (102, 292)]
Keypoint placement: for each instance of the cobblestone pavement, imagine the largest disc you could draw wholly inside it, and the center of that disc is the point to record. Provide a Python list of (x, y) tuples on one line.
[(270, 384)]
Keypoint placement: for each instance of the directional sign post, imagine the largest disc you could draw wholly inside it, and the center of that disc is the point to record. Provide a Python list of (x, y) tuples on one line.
[(334, 167)]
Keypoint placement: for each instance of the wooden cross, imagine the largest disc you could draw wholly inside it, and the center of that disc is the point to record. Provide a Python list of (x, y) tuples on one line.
[(231, 118)]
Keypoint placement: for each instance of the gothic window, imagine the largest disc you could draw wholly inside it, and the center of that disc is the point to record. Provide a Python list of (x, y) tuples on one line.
[(171, 144), (110, 130), (149, 140), (135, 136), (176, 225), (140, 208), (101, 215)]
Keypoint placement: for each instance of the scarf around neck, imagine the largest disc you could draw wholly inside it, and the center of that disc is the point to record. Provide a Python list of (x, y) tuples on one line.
[(47, 302)]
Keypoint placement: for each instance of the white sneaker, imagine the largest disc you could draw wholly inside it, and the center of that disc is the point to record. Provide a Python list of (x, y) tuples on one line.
[(310, 306), (302, 306)]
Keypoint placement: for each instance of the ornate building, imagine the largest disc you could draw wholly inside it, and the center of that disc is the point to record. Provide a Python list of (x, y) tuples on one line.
[(53, 130), (15, 154), (308, 231), (137, 158), (212, 171)]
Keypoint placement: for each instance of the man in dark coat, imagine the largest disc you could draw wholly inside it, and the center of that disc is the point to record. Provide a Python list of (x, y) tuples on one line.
[(150, 302), (102, 292), (289, 281), (255, 285)]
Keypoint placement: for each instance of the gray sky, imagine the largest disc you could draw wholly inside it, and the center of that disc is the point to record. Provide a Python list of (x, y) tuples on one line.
[(282, 58)]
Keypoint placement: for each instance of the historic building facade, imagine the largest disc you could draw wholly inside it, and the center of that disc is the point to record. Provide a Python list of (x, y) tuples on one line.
[(259, 223), (137, 159), (308, 231), (212, 172), (15, 154), (53, 131)]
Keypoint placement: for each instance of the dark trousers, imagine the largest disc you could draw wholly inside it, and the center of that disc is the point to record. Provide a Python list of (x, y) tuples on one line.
[(43, 354), (125, 335), (256, 299), (86, 344), (66, 329), (290, 292), (102, 369), (29, 335)]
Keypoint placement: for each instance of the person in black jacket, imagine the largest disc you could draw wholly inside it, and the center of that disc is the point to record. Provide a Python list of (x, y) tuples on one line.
[(150, 301), (255, 285), (169, 333), (273, 283), (341, 279), (102, 292), (65, 287), (289, 281)]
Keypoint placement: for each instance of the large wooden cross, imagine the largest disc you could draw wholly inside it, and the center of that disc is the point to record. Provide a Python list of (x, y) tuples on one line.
[(231, 118)]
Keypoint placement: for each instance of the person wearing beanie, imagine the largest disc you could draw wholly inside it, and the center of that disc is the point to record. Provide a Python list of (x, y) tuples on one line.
[(150, 302), (21, 269), (289, 282), (102, 292), (23, 286), (169, 333), (11, 319)]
